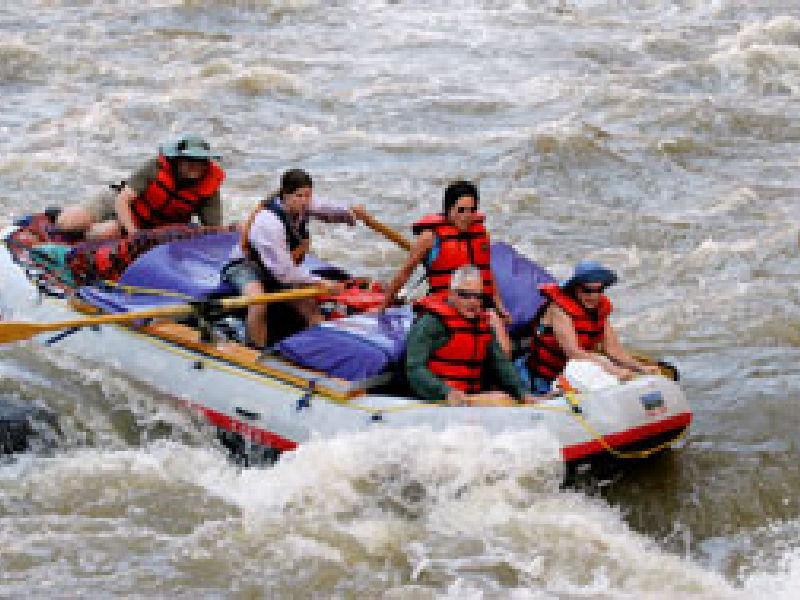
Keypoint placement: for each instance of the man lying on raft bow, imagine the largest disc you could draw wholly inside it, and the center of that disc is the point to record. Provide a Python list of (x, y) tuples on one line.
[(182, 181), (452, 343), (573, 324)]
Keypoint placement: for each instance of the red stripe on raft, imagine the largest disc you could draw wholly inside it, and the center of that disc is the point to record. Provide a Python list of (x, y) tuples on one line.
[(629, 436), (254, 434), (574, 452)]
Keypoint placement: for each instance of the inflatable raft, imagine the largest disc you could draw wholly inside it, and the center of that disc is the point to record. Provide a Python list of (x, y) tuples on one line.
[(342, 376)]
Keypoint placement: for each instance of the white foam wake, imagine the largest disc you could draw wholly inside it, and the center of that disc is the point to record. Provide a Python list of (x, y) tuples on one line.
[(459, 512)]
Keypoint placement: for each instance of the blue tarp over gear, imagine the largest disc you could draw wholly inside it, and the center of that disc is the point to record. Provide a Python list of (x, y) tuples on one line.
[(353, 348), (518, 278), (366, 345), (189, 269)]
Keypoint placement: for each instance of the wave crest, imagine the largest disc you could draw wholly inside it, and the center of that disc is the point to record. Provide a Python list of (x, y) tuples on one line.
[(18, 63)]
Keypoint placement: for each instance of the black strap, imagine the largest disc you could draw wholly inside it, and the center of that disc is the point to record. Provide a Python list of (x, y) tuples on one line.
[(295, 236)]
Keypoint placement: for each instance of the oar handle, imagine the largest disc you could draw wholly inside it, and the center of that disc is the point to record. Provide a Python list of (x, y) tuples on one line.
[(384, 230), (126, 317), (283, 296), (13, 331)]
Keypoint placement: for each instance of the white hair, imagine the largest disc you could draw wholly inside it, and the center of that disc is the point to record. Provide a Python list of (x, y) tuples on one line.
[(464, 274)]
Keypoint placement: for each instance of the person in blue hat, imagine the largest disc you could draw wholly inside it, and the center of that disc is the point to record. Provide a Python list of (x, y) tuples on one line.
[(182, 181), (574, 324)]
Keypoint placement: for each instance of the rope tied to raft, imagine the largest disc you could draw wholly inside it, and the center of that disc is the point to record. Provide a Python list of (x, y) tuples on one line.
[(571, 396)]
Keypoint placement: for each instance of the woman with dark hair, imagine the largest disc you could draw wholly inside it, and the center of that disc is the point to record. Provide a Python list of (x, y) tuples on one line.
[(447, 241), (274, 241)]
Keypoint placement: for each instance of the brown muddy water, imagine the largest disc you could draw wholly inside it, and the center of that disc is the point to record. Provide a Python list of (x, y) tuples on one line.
[(661, 137)]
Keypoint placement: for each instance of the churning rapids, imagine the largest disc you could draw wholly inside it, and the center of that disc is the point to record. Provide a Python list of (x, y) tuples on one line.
[(660, 136)]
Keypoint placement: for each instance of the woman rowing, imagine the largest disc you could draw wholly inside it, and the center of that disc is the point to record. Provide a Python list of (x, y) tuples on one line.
[(274, 241), (447, 241)]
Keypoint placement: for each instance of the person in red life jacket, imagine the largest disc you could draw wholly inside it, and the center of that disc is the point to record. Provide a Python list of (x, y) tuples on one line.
[(574, 324), (182, 181), (274, 242), (454, 341), (448, 241)]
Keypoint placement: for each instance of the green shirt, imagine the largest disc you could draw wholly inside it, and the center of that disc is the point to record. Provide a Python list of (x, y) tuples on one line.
[(210, 213), (428, 334)]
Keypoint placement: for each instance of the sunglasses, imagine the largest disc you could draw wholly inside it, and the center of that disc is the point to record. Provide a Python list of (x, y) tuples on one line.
[(466, 209), (591, 290), (469, 295)]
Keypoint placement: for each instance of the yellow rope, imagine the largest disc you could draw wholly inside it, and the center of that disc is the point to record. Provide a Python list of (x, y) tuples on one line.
[(242, 371), (135, 289), (570, 396), (632, 454)]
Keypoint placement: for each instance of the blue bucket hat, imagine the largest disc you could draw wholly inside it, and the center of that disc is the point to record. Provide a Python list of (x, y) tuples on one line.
[(590, 271), (189, 146)]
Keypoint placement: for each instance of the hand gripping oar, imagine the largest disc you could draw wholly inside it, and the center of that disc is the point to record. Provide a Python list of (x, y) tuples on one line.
[(13, 331), (384, 230)]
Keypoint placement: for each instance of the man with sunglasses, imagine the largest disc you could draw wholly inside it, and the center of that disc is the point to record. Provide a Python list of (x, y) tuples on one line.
[(182, 181), (573, 324), (454, 341)]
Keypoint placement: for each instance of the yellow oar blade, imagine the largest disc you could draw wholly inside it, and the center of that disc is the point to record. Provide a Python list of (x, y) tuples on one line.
[(15, 331), (384, 230)]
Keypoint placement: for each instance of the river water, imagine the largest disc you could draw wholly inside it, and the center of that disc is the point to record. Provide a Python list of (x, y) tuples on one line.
[(659, 136)]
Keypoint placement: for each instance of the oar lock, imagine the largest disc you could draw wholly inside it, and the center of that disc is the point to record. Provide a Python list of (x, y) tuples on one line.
[(304, 401)]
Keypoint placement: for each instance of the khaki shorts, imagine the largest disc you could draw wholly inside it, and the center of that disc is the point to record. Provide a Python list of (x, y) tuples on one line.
[(101, 207)]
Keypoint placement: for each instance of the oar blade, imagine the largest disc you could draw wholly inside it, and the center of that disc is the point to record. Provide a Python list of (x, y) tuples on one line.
[(16, 331)]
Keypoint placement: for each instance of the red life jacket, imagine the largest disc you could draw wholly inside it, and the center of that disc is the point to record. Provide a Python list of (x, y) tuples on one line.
[(547, 359), (95, 260), (459, 363), (162, 203), (456, 249)]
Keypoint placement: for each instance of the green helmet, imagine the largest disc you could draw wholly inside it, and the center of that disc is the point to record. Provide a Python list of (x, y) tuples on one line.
[(189, 146)]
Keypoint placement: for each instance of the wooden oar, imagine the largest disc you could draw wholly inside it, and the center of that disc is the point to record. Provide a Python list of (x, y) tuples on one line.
[(492, 399), (13, 331), (384, 230)]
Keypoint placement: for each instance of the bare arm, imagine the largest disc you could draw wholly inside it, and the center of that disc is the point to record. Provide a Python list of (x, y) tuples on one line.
[(122, 205), (211, 212), (422, 246), (498, 303), (500, 332), (331, 211), (615, 351), (567, 338)]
